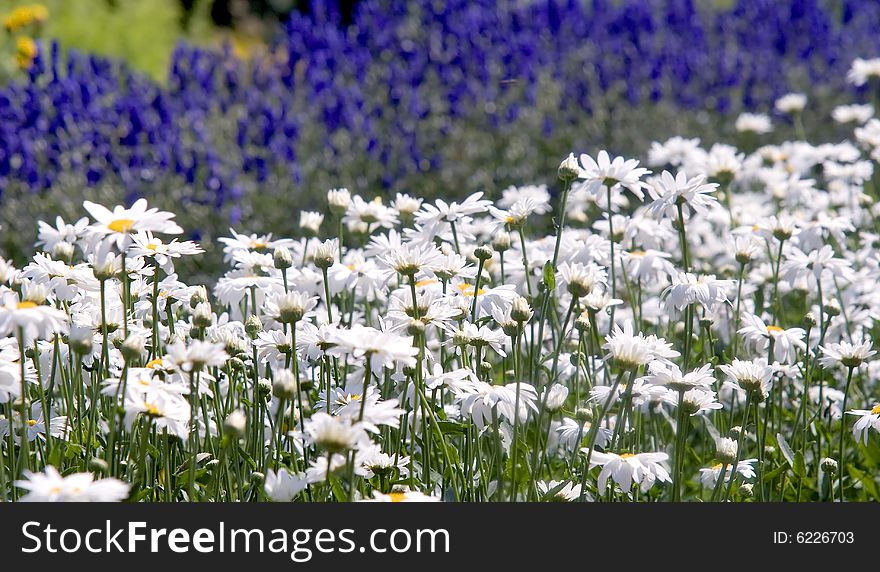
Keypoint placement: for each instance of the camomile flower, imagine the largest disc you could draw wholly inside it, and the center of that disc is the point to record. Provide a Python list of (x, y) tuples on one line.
[(630, 350), (406, 206), (381, 349), (749, 376), (786, 342), (709, 476), (862, 70), (580, 279), (32, 318), (572, 432), (401, 496), (627, 469), (702, 289), (868, 419), (674, 152), (410, 259), (669, 375), (699, 400), (197, 355), (50, 486), (36, 425), (853, 113), (48, 236), (289, 308), (441, 211), (517, 214), (799, 264), (670, 193), (482, 401), (846, 353), (791, 103), (256, 242), (145, 244), (559, 491), (334, 434), (120, 223), (538, 194), (603, 173), (753, 123), (647, 266), (283, 486), (375, 462), (371, 213), (310, 221)]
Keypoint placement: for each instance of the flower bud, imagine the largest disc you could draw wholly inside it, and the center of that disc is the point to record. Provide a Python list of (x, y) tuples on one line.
[(202, 316), (253, 326), (97, 465), (483, 252), (338, 200), (133, 348), (725, 450), (80, 340), (747, 490), (323, 255), (284, 386), (235, 424), (810, 320), (828, 465), (520, 310), (199, 296), (501, 242), (63, 251), (415, 328), (281, 258), (485, 369), (569, 168)]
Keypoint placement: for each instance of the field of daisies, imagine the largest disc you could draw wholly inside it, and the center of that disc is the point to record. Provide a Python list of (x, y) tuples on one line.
[(695, 330), (689, 322)]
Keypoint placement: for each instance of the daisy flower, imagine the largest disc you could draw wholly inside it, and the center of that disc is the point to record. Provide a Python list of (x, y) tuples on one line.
[(283, 486), (670, 192), (120, 223), (846, 353), (867, 419), (786, 342), (627, 469), (603, 173), (50, 486)]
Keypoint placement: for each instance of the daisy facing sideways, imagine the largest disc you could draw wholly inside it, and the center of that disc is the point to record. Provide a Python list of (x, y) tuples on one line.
[(77, 487), (627, 469)]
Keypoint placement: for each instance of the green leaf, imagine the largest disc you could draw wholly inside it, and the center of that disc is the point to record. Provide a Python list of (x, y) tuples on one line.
[(867, 481), (799, 466), (338, 490), (549, 276), (786, 449), (452, 427)]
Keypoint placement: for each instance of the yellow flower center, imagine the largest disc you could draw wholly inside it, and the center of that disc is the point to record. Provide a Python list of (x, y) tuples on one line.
[(639, 253), (717, 467), (875, 410), (627, 455), (397, 497), (151, 410), (26, 305), (154, 363), (774, 329), (755, 228), (32, 422), (153, 247), (426, 282), (468, 290), (121, 225)]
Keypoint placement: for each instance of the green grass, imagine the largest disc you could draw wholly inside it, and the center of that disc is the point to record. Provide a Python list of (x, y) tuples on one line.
[(140, 32)]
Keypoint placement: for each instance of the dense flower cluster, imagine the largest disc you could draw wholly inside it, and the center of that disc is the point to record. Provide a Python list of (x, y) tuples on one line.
[(429, 95), (696, 327)]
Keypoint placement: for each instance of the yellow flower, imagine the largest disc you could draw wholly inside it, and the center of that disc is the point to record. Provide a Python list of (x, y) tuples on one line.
[(25, 51), (25, 16)]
